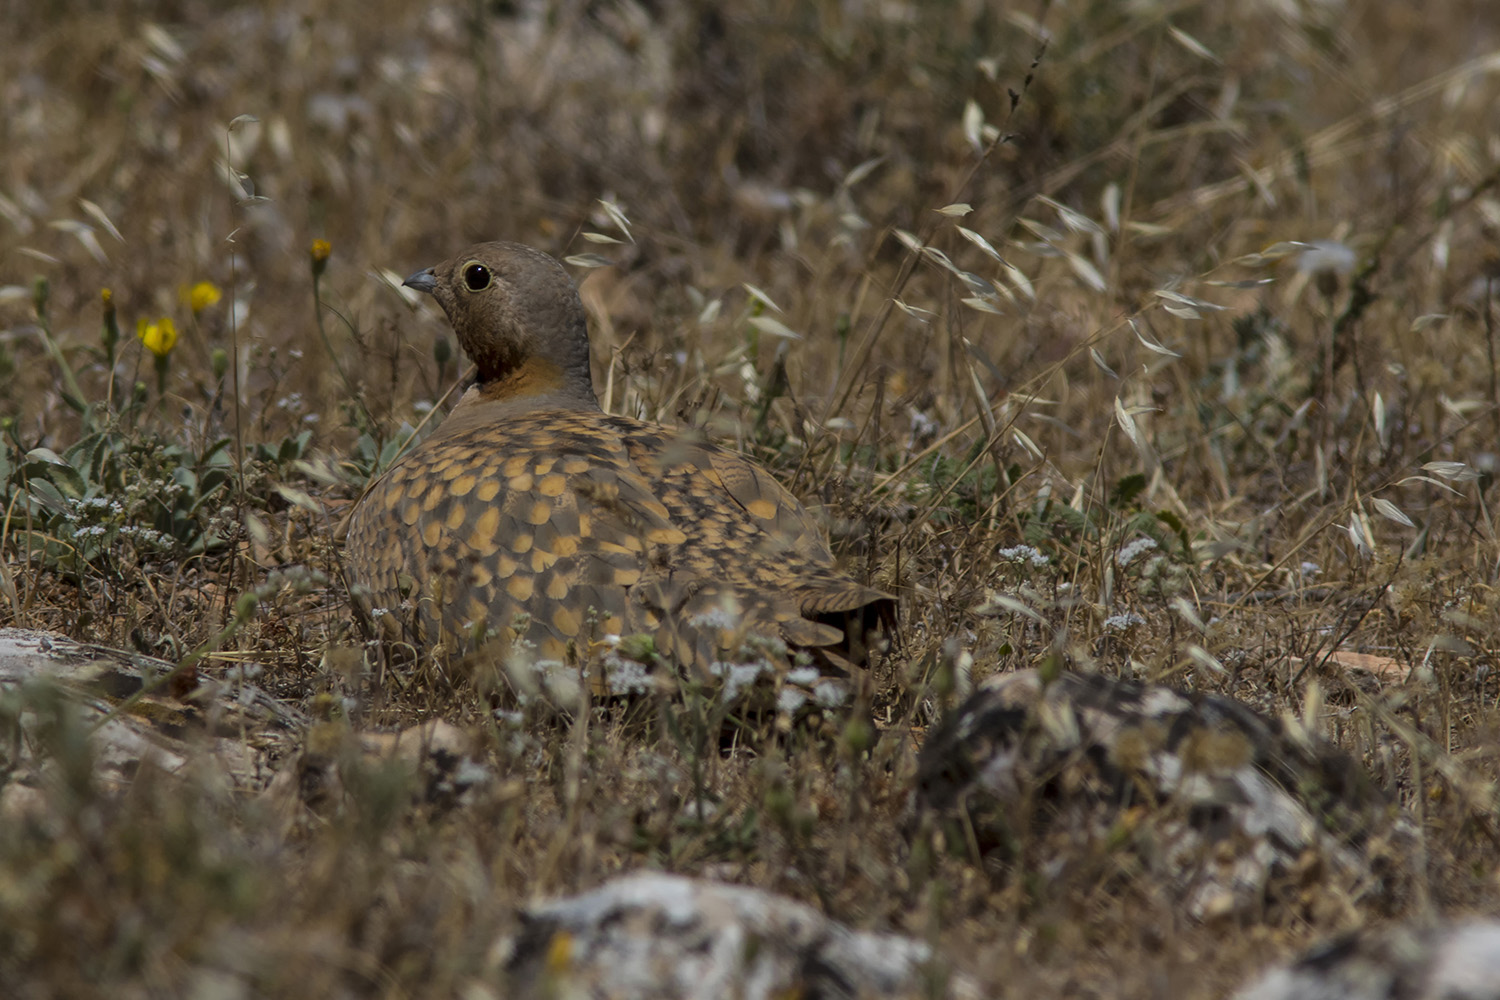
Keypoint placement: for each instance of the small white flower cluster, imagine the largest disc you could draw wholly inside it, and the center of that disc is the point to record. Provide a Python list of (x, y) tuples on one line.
[(81, 508), (739, 677), (716, 617), (1130, 552), (923, 427), (751, 661), (1022, 554), (162, 491), (95, 518), (1123, 621), (827, 692), (147, 537), (624, 675), (757, 658)]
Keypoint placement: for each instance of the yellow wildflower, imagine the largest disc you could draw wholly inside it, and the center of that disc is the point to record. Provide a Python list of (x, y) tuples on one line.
[(318, 255), (159, 337), (201, 296)]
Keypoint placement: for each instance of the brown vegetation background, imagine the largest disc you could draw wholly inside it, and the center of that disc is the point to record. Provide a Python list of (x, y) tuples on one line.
[(1271, 422)]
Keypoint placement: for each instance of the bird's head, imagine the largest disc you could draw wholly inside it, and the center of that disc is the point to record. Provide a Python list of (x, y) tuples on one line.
[(519, 319)]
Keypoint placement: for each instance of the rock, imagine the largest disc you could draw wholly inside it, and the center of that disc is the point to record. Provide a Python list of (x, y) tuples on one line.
[(666, 937), (1456, 961), (127, 711), (1228, 809)]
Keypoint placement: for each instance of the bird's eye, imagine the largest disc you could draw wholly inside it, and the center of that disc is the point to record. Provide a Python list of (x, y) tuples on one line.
[(476, 276)]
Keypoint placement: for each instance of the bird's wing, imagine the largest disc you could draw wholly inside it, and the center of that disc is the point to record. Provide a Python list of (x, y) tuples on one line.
[(559, 528)]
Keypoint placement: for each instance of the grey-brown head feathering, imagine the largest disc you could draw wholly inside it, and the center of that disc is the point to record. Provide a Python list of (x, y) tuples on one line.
[(518, 318), (534, 515)]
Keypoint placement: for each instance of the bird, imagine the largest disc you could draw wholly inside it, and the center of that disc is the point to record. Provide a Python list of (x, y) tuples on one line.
[(533, 523)]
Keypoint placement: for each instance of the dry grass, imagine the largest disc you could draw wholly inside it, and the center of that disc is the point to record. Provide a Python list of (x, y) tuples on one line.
[(1255, 437)]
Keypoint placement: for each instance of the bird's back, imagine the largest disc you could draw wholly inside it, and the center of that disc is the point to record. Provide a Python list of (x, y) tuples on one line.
[(560, 528)]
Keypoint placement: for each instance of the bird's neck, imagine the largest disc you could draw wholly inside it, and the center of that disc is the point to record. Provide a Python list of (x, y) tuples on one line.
[(511, 369), (533, 384)]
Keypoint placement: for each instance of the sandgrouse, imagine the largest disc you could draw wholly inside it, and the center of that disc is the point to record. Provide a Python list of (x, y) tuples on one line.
[(532, 517)]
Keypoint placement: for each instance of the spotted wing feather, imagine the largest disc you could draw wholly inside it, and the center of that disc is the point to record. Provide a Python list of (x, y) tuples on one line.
[(563, 527)]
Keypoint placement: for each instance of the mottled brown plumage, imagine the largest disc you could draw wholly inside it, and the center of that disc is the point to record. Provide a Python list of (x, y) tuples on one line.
[(534, 515)]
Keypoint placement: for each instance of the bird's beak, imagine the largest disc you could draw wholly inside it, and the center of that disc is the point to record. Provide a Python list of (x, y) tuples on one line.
[(423, 281)]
